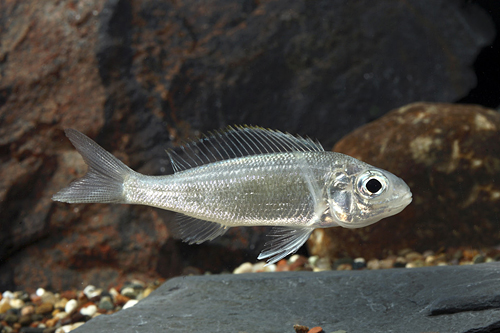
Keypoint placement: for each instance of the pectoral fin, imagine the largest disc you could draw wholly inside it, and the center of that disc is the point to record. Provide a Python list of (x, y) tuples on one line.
[(285, 241)]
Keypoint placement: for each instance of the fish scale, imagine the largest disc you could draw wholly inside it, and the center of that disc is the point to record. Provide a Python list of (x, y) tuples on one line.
[(247, 176)]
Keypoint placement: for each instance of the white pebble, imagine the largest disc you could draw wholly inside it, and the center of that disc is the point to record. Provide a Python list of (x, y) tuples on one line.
[(40, 292), (64, 329), (128, 290), (312, 260), (360, 260), (270, 268), (113, 292), (8, 294), (89, 290), (89, 310), (130, 303), (246, 267), (70, 306), (16, 303), (293, 258), (258, 266)]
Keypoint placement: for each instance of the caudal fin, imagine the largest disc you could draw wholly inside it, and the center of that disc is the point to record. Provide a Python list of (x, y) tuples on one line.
[(105, 176)]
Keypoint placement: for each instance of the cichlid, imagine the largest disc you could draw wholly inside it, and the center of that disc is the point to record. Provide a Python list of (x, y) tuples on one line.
[(247, 176)]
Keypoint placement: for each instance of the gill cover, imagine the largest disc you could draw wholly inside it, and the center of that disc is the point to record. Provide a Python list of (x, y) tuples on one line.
[(350, 197)]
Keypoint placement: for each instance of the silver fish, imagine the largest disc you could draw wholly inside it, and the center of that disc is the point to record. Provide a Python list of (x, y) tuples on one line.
[(247, 176)]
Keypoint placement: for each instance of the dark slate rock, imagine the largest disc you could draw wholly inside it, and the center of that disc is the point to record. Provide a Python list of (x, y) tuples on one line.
[(449, 156), (431, 299)]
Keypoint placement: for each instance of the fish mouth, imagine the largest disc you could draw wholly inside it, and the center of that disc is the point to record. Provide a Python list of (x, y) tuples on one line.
[(405, 201)]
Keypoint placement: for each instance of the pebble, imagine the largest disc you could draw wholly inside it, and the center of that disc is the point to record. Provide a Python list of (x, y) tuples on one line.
[(129, 292), (27, 310), (44, 308), (121, 300), (61, 304), (88, 310), (106, 303), (61, 315), (4, 305), (373, 264), (8, 294), (70, 306), (130, 303), (10, 318), (16, 303), (25, 320), (39, 292), (316, 329), (246, 267), (359, 263)]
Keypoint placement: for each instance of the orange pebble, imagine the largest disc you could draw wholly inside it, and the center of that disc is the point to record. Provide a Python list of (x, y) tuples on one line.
[(51, 322), (316, 329)]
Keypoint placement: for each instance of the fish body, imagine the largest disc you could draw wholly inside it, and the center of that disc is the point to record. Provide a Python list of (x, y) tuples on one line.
[(247, 176)]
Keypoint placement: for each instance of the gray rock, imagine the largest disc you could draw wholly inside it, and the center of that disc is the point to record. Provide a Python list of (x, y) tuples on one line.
[(431, 299)]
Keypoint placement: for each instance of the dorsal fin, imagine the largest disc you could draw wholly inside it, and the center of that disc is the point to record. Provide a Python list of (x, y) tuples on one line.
[(238, 141)]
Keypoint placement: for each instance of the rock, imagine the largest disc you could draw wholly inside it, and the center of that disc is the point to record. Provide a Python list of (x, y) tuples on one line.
[(300, 328), (446, 154), (44, 308), (359, 263), (25, 320), (88, 310), (106, 303), (243, 268), (10, 318), (4, 305), (90, 291), (140, 77), (130, 304), (28, 310), (121, 300), (316, 329), (61, 304), (429, 299), (16, 303), (70, 306), (129, 292)]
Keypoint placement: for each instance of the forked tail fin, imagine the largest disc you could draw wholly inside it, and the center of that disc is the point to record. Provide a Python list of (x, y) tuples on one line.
[(105, 176)]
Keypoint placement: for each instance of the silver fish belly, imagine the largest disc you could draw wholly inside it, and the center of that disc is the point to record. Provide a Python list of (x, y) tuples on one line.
[(247, 176)]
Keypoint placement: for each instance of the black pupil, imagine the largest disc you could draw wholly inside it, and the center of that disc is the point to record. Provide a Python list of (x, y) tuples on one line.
[(373, 186)]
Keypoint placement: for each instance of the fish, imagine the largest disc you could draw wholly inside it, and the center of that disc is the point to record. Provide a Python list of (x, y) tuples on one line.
[(246, 176)]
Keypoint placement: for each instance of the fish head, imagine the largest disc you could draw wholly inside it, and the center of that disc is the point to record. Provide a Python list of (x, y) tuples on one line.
[(363, 196)]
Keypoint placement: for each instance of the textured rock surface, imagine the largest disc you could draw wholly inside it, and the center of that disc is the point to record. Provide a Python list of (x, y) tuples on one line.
[(450, 157), (443, 299), (136, 75)]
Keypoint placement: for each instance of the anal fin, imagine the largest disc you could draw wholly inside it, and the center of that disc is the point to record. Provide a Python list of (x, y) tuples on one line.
[(285, 241), (196, 231)]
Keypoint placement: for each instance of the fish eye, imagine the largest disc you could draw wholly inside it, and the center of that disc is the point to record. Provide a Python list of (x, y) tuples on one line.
[(372, 184)]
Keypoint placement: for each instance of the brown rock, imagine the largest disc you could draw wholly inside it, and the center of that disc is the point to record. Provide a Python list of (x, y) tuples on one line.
[(44, 308), (449, 156)]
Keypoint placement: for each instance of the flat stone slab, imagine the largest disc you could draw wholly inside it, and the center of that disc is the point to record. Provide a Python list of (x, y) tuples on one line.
[(429, 299)]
